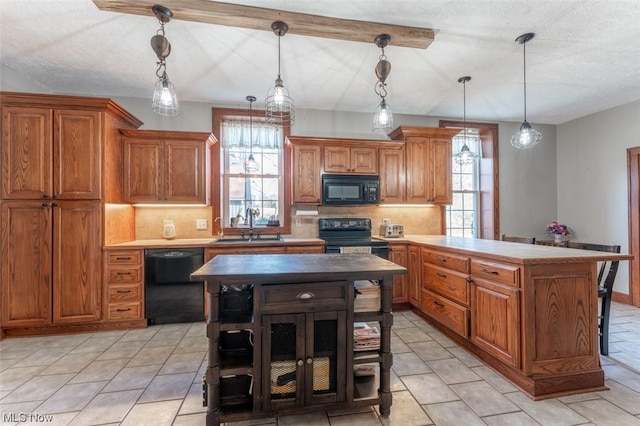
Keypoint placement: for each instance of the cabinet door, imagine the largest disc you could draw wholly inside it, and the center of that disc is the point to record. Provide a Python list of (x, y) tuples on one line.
[(26, 263), (77, 281), (304, 359), (414, 265), (441, 171), (27, 138), (306, 174), (142, 171), (392, 173), (399, 292), (417, 171), (337, 159), (495, 319), (77, 155), (184, 171), (364, 160)]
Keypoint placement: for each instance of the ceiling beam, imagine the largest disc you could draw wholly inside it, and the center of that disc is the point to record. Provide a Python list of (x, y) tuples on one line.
[(258, 18)]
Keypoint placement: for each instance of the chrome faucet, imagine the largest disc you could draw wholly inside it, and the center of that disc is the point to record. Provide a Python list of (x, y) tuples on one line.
[(251, 212)]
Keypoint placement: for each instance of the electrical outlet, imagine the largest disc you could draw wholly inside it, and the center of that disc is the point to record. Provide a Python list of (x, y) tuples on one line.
[(386, 221), (201, 224)]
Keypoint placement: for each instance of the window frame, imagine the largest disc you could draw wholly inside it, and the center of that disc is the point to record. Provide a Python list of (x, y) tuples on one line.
[(222, 225), (489, 209)]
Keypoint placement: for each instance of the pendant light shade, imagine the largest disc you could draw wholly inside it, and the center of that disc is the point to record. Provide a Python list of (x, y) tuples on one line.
[(165, 101), (383, 118), (465, 156), (526, 137), (279, 106), (251, 165)]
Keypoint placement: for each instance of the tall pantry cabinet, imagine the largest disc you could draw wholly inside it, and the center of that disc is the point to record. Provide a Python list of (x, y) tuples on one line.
[(54, 177)]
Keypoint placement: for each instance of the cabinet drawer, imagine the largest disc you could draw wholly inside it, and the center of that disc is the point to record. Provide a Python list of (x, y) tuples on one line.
[(125, 311), (446, 312), (445, 260), (125, 275), (448, 283), (495, 272), (120, 293), (309, 297), (129, 257)]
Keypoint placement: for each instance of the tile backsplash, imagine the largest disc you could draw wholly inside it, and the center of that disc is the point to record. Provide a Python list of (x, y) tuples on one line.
[(416, 220)]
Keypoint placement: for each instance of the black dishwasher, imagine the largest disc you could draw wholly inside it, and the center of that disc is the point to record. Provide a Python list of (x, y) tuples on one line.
[(169, 295)]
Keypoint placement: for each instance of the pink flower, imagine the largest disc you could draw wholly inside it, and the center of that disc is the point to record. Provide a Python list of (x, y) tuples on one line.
[(556, 228)]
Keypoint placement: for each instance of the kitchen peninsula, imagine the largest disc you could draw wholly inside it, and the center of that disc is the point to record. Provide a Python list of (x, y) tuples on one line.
[(528, 311), (281, 329)]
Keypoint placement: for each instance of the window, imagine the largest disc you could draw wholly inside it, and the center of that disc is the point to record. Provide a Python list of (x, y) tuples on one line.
[(482, 221), (463, 214), (264, 191), (261, 190)]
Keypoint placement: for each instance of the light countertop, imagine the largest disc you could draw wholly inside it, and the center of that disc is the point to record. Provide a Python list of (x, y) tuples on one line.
[(209, 242)]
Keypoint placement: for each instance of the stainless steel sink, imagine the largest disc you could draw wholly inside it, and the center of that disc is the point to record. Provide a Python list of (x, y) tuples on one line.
[(247, 240)]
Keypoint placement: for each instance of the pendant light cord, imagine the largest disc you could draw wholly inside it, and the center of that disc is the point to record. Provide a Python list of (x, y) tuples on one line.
[(524, 61), (250, 128), (279, 37)]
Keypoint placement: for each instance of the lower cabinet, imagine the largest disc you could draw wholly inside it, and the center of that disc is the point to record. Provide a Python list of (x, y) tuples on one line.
[(495, 310), (124, 287), (400, 291), (304, 359)]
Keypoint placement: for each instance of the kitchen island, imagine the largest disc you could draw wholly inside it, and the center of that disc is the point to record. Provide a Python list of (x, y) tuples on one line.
[(529, 311), (281, 329)]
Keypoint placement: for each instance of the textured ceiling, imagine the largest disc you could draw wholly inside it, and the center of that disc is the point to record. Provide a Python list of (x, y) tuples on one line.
[(584, 58)]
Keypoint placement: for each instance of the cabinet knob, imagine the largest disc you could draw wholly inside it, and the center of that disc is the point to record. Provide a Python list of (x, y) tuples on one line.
[(309, 361), (45, 196), (300, 363)]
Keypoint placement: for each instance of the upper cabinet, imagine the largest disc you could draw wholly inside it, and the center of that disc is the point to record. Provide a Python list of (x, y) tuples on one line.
[(355, 160), (312, 157), (51, 153), (428, 164), (167, 167)]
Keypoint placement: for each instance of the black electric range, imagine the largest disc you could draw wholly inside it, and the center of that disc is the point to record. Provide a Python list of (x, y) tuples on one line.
[(351, 235)]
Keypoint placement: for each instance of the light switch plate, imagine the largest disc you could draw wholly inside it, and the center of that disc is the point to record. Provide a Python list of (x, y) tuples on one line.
[(201, 223)]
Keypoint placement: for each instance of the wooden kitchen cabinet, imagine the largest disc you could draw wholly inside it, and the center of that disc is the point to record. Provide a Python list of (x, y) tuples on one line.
[(50, 153), (60, 156), (306, 174), (353, 160), (392, 175), (398, 255), (428, 163), (495, 311), (167, 167), (314, 156), (124, 285), (414, 275), (60, 284)]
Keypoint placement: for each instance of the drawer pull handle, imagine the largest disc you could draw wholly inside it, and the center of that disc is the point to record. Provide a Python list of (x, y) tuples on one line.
[(306, 295), (441, 259), (486, 271), (441, 275), (123, 310), (438, 304), (123, 258), (123, 291), (123, 273)]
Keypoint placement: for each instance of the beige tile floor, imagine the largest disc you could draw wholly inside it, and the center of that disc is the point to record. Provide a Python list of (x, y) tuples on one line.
[(152, 377)]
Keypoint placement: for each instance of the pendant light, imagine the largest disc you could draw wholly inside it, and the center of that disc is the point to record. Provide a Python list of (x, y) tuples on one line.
[(251, 165), (383, 119), (465, 156), (279, 108), (165, 101), (526, 136)]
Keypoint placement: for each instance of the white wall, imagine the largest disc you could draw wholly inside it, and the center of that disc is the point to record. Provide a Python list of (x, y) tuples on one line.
[(592, 178)]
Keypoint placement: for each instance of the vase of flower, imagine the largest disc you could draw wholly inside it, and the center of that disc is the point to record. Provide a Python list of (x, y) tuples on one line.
[(557, 238), (558, 231)]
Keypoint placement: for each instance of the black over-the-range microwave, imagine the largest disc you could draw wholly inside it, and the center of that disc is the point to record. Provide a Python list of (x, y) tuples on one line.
[(350, 189)]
